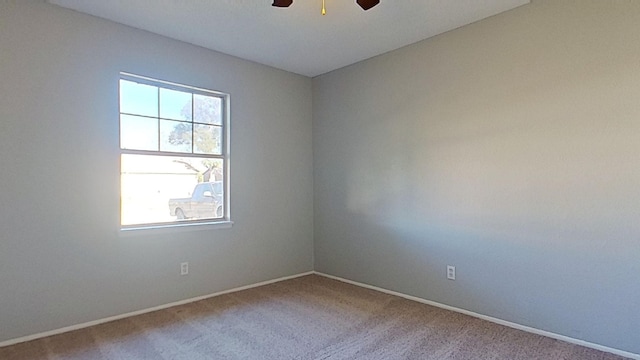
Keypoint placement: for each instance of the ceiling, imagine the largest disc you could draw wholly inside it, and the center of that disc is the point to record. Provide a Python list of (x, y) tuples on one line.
[(297, 39)]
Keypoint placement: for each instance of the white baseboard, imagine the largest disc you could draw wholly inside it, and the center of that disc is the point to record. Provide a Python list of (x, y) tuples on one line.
[(391, 292), (144, 311), (489, 318)]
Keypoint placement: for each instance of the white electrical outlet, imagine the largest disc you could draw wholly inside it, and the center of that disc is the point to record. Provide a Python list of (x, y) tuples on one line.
[(184, 268), (451, 272)]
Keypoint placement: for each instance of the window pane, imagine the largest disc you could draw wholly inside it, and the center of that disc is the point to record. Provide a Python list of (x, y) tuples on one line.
[(138, 99), (207, 109), (175, 136), (162, 189), (208, 139), (172, 158), (138, 133), (175, 104)]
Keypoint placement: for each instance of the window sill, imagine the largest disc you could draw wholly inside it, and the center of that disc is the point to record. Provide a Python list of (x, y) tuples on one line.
[(174, 228)]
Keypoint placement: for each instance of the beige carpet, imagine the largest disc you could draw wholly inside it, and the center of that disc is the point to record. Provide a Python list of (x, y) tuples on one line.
[(305, 318)]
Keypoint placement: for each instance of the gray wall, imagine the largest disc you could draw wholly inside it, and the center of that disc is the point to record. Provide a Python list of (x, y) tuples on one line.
[(509, 148), (62, 261)]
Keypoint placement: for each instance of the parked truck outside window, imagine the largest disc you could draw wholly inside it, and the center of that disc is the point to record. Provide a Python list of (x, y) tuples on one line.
[(205, 202)]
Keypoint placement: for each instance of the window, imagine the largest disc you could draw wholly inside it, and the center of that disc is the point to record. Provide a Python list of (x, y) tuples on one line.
[(173, 154)]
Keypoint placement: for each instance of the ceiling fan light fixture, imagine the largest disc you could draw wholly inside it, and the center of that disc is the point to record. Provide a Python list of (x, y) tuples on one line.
[(282, 3), (367, 4)]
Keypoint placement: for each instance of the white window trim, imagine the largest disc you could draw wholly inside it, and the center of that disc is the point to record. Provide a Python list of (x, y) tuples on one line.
[(172, 228), (178, 227)]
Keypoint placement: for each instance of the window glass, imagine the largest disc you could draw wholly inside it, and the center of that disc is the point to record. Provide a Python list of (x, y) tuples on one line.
[(138, 99), (208, 139), (173, 162), (175, 104), (138, 133), (175, 136), (207, 109)]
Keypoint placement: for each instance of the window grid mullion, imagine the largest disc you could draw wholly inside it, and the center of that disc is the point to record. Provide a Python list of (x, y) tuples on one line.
[(193, 130), (159, 132)]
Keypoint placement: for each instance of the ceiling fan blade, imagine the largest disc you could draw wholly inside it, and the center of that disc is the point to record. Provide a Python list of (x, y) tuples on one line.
[(282, 3), (367, 4)]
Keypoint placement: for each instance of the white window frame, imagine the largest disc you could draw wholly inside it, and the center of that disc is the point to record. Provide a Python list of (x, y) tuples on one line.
[(188, 225)]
